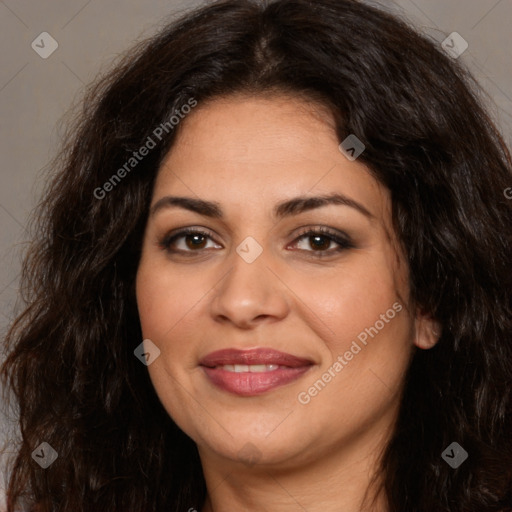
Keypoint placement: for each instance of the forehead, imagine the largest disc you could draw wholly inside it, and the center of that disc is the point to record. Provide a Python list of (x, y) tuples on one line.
[(259, 148), (245, 125)]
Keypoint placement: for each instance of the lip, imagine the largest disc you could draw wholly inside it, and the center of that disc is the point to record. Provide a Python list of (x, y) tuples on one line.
[(252, 384), (253, 356)]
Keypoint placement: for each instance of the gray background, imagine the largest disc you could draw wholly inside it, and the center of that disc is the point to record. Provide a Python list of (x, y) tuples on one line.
[(35, 93)]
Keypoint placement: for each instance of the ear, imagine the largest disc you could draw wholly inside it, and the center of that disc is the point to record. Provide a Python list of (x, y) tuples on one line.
[(427, 331)]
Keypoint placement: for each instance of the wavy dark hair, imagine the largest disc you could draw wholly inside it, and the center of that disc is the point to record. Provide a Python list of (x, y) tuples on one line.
[(70, 365)]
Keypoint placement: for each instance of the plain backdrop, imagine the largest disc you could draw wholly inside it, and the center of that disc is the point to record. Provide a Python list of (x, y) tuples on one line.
[(35, 93)]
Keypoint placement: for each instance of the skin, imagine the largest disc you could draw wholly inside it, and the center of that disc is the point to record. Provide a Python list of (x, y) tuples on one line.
[(271, 452)]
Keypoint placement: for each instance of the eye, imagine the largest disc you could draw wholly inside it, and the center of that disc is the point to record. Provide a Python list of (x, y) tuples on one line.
[(190, 240), (321, 240), (186, 240)]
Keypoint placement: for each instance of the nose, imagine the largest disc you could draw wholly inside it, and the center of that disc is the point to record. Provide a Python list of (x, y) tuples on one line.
[(250, 294)]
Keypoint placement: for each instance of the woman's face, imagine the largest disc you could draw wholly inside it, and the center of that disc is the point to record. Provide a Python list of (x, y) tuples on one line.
[(320, 281)]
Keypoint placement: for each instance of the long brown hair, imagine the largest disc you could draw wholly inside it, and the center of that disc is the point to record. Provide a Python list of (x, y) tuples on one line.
[(71, 365)]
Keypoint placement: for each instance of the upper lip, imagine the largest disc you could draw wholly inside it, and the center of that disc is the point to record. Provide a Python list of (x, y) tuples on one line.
[(253, 356)]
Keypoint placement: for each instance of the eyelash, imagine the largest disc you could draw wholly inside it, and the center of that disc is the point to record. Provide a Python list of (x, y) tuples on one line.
[(343, 242)]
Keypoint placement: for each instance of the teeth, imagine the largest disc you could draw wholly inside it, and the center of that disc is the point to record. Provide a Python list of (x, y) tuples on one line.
[(252, 368)]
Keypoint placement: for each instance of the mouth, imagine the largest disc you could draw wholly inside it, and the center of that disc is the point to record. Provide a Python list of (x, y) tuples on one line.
[(252, 372)]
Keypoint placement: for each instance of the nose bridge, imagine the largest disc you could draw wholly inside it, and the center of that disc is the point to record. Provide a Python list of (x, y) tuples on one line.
[(249, 290), (249, 276)]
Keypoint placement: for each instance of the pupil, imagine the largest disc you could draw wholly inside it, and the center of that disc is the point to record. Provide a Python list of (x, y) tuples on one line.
[(195, 241), (321, 246)]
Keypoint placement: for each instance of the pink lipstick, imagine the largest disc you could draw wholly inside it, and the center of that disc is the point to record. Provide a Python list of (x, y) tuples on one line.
[(252, 372)]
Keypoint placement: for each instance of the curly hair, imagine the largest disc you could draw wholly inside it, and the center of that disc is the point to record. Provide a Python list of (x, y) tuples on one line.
[(429, 140)]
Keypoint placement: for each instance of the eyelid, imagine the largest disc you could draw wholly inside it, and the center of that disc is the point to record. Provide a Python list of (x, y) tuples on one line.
[(173, 235), (340, 238)]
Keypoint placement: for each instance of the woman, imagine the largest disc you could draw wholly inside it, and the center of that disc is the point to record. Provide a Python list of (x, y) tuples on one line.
[(271, 272)]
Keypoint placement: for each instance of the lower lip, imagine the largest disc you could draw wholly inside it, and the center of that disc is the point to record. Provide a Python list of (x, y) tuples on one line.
[(253, 384)]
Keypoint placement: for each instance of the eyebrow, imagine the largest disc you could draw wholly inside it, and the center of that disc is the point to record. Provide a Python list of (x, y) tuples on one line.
[(286, 208)]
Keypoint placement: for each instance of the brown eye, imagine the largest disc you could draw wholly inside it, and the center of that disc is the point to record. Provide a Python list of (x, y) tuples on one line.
[(195, 241), (318, 242), (186, 241)]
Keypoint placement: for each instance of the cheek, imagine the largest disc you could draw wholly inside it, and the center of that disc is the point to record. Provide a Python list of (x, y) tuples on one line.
[(366, 332), (353, 298), (166, 312), (364, 365), (164, 299)]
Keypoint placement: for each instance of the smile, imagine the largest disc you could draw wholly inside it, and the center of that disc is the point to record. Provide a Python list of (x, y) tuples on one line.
[(252, 372)]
